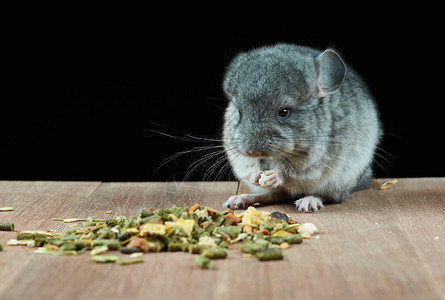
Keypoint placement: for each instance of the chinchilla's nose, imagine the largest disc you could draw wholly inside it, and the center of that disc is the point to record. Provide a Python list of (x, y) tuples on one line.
[(255, 153)]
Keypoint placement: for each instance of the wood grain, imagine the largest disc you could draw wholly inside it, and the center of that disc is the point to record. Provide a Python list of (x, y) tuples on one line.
[(365, 249), (377, 244), (420, 210), (34, 203)]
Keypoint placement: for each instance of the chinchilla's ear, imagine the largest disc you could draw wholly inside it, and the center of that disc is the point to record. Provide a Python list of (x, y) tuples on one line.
[(332, 71)]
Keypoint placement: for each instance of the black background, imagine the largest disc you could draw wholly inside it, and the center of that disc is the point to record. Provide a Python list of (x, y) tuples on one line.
[(92, 100)]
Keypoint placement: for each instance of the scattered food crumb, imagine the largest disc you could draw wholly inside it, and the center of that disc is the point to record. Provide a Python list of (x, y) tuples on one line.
[(436, 238), (136, 254), (105, 212), (6, 208), (388, 184)]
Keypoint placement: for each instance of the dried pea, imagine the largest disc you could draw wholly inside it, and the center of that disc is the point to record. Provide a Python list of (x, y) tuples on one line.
[(269, 225), (81, 244), (218, 220), (264, 243), (178, 247), (25, 236), (145, 213), (68, 246), (223, 244), (293, 238), (70, 237), (275, 239), (215, 253), (227, 222), (202, 262), (197, 249), (6, 226), (250, 247), (39, 239), (56, 242), (231, 231), (289, 238), (291, 230), (128, 250), (269, 254), (123, 236), (111, 244)]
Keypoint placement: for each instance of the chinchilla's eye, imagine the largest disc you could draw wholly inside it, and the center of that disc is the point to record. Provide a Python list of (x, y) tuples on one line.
[(284, 112), (237, 116)]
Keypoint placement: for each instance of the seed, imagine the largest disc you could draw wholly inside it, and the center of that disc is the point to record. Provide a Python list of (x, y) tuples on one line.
[(388, 184), (284, 245)]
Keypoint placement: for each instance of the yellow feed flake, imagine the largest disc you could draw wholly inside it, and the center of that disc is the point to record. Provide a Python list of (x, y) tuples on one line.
[(185, 224), (70, 220), (280, 232), (255, 217), (207, 241), (150, 228)]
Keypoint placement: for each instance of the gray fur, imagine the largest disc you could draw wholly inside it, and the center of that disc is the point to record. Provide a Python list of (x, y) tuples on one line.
[(324, 147)]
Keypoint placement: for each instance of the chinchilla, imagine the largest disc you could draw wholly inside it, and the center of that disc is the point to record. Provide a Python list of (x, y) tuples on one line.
[(302, 123)]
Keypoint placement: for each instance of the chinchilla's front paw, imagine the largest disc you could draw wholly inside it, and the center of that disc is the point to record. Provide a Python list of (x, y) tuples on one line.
[(238, 201), (271, 179), (309, 204)]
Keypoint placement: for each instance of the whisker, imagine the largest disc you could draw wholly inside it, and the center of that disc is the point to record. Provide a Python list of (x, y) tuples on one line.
[(212, 161), (202, 161)]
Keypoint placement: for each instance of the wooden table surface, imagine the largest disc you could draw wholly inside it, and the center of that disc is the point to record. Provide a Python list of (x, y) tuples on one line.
[(379, 244)]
